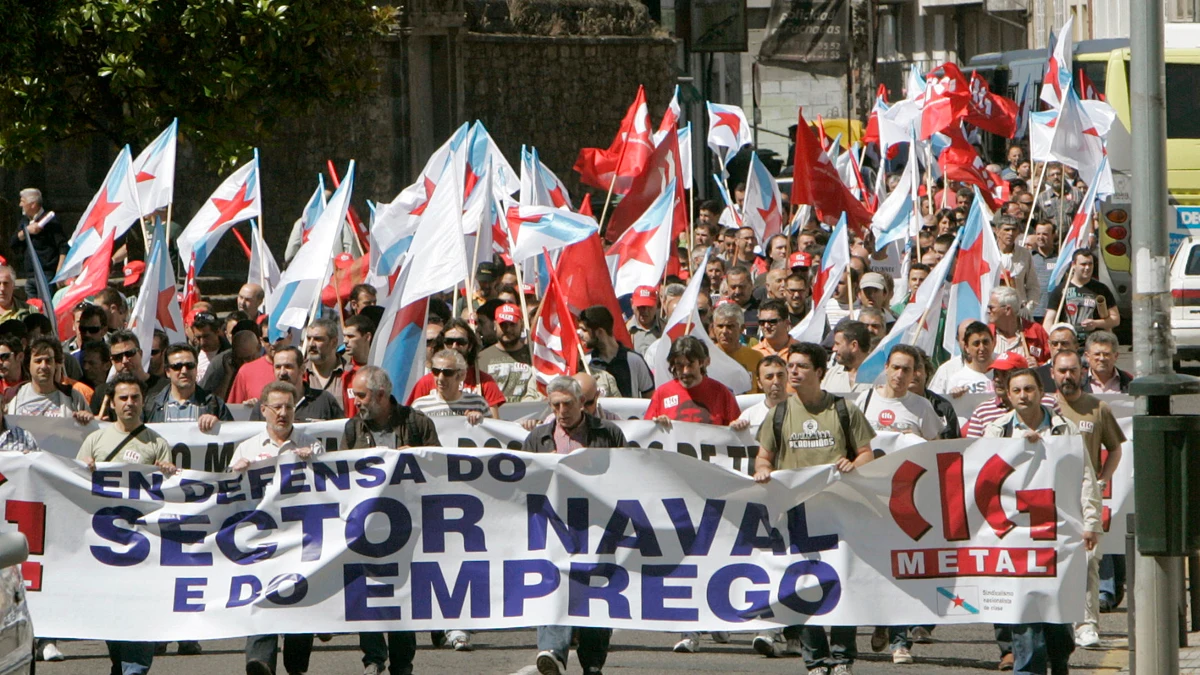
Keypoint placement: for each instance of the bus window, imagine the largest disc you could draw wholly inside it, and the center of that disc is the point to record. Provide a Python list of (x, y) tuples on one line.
[(1183, 98), (1096, 71)]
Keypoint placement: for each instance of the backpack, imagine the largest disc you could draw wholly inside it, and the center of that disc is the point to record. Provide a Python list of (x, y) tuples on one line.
[(843, 414)]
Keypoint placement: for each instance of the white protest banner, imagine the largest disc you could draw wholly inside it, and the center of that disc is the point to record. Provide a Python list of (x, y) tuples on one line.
[(431, 538)]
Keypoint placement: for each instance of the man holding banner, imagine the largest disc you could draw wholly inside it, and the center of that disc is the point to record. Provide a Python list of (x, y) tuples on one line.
[(570, 430), (382, 421), (813, 428)]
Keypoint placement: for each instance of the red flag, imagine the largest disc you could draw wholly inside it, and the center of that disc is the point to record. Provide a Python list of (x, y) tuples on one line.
[(555, 344), (821, 135), (991, 112), (960, 162), (815, 181), (343, 280), (92, 279), (583, 273), (1087, 88), (871, 135), (190, 295), (585, 206), (661, 168), (947, 99), (625, 157)]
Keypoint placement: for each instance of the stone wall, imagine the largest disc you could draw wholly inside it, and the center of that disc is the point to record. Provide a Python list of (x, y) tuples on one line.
[(561, 94)]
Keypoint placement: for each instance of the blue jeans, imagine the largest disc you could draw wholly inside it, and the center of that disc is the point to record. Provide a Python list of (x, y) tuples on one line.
[(593, 644), (1004, 638), (1112, 577), (296, 651), (130, 658), (396, 648), (826, 651), (1042, 648)]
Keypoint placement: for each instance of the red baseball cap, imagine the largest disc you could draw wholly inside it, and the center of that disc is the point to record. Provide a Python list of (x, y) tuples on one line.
[(343, 260), (528, 289), (133, 271), (508, 312), (800, 259), (644, 296), (1010, 361)]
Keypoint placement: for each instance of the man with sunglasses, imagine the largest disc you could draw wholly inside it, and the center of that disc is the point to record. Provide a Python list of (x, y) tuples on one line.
[(206, 338), (91, 323), (12, 365), (772, 322), (184, 401), (448, 398), (126, 356)]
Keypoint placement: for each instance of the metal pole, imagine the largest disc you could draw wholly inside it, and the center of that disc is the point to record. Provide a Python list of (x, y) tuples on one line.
[(1157, 585)]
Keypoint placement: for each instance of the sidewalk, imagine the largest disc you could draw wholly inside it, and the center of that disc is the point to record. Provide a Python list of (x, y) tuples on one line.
[(1189, 657)]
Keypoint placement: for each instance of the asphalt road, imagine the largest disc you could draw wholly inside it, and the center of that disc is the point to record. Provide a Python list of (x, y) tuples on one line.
[(956, 650)]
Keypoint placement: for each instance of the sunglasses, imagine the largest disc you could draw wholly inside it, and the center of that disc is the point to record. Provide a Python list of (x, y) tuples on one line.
[(155, 352), (119, 357), (449, 372), (91, 330), (587, 403), (6, 356), (190, 365), (462, 342), (768, 322)]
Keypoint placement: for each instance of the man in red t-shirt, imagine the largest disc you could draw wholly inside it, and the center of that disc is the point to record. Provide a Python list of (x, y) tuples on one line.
[(692, 396)]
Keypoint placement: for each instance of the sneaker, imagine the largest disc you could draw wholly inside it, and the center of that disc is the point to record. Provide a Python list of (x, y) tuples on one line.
[(1106, 603), (189, 648), (372, 669), (257, 668), (460, 640), (901, 655), (548, 664), (768, 645), (1006, 662), (720, 637), (1087, 637), (49, 652), (879, 638), (689, 644), (819, 670), (437, 638), (920, 635), (842, 669)]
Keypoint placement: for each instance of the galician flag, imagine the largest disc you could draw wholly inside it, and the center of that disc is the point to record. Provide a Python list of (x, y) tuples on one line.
[(235, 200), (113, 211), (728, 131), (157, 303), (834, 261), (975, 275), (154, 171)]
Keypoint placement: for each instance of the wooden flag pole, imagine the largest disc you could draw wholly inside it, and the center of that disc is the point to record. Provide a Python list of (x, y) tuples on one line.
[(1036, 191), (521, 296), (691, 233), (612, 184), (1066, 286)]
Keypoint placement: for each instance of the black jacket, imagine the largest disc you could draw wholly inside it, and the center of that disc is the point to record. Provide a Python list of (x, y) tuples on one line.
[(209, 405), (413, 428), (600, 434)]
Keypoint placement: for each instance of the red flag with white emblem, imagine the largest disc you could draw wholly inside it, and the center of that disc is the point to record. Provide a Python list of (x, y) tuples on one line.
[(625, 157), (662, 169)]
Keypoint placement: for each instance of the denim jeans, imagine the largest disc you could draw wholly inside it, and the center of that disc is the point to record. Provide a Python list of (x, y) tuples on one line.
[(1004, 638), (1112, 577), (593, 644), (825, 651), (130, 658), (396, 648), (1042, 648), (296, 651)]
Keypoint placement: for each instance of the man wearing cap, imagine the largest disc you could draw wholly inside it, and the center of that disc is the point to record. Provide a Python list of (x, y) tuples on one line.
[(628, 368), (873, 291), (485, 281), (645, 326), (1013, 333), (510, 361), (994, 408), (133, 270)]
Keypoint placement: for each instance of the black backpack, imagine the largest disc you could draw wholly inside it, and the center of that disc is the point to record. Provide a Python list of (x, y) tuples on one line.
[(843, 414)]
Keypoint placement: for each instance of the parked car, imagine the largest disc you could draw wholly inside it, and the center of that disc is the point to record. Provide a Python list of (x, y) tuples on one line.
[(16, 628)]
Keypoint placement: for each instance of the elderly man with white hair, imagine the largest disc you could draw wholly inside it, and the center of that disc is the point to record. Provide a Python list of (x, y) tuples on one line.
[(571, 429), (46, 239), (1014, 333)]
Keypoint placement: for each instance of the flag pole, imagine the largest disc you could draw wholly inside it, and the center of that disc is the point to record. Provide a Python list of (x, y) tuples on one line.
[(691, 233), (1037, 189), (1062, 231), (1063, 300), (521, 296), (612, 184), (929, 176)]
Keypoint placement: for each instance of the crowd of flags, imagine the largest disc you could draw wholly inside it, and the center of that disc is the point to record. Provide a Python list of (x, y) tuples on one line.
[(468, 204)]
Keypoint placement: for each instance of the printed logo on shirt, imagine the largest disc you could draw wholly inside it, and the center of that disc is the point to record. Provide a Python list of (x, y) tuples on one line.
[(1087, 427), (671, 401), (887, 418), (812, 437), (131, 456)]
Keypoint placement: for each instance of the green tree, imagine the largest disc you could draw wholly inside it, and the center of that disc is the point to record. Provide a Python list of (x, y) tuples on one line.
[(228, 69)]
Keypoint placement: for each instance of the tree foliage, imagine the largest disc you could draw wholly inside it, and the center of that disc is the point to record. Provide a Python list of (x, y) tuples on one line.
[(228, 69)]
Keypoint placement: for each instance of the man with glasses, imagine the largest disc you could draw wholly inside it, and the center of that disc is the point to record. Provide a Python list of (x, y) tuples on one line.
[(184, 401), (126, 357), (772, 321), (1103, 376), (571, 429), (278, 407), (12, 365), (91, 323), (798, 296), (383, 422), (448, 398), (206, 338)]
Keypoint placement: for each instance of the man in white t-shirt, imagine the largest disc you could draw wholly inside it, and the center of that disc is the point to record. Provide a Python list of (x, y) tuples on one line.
[(42, 396), (975, 377), (772, 379), (892, 407)]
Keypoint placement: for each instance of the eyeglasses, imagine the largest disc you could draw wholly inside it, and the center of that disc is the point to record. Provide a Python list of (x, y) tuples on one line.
[(6, 356), (590, 402), (155, 352), (190, 365), (119, 357), (91, 330), (448, 372), (769, 322), (461, 342), (281, 408)]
